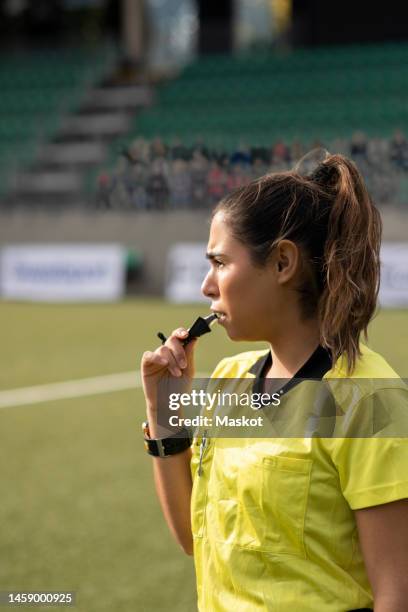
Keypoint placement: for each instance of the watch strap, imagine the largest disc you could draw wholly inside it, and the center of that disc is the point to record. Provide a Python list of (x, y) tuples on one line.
[(165, 447)]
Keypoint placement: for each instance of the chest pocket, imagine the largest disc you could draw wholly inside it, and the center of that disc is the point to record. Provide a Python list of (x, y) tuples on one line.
[(258, 502)]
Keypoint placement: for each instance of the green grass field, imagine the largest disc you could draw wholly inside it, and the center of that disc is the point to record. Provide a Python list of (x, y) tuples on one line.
[(78, 509)]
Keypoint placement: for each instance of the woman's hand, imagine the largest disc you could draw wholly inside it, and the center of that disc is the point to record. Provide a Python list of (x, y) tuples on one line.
[(170, 361), (169, 367)]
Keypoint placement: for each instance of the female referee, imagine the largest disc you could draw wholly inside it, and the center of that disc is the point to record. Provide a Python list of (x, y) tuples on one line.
[(296, 524)]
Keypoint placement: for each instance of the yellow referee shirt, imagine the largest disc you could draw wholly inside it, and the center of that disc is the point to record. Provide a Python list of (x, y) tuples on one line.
[(272, 518)]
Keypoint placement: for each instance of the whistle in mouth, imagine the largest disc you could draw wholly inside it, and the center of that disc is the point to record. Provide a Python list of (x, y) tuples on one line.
[(200, 327)]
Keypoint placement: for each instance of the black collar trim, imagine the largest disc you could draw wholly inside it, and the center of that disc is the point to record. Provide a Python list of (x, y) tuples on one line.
[(314, 368)]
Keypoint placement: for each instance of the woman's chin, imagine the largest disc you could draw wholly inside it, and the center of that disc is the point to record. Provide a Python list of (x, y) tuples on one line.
[(240, 336), (231, 333), (237, 335)]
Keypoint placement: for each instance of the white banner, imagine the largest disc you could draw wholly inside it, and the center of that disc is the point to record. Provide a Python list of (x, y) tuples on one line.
[(61, 273), (187, 267), (394, 275)]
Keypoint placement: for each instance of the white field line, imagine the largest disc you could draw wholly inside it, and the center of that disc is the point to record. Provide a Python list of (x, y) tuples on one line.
[(74, 388)]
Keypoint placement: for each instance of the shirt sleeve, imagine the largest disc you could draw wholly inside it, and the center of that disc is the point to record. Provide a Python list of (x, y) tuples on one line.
[(371, 457)]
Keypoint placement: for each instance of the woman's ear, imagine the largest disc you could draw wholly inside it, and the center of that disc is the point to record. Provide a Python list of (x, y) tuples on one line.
[(287, 259)]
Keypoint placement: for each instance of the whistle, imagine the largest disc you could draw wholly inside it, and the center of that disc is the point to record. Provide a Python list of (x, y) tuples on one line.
[(201, 326)]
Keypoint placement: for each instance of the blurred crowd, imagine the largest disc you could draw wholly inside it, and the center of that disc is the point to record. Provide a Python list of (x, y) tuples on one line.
[(152, 175)]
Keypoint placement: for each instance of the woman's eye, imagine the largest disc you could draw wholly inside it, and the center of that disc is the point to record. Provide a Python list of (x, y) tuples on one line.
[(218, 263)]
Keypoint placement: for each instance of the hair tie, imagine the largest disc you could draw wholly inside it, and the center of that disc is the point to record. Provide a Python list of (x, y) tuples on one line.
[(311, 162)]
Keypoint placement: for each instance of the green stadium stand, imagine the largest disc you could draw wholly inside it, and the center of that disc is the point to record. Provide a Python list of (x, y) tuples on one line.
[(308, 94), (318, 93), (37, 88)]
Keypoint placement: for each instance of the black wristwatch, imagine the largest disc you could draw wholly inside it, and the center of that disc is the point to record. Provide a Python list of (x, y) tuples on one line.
[(165, 447)]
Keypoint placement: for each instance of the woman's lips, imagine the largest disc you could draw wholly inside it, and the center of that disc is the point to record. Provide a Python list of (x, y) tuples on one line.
[(221, 316)]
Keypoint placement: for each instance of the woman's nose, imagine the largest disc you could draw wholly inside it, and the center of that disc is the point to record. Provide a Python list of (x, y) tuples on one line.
[(209, 287)]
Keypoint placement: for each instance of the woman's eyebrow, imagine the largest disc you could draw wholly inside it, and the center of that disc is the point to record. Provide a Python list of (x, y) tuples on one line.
[(213, 255)]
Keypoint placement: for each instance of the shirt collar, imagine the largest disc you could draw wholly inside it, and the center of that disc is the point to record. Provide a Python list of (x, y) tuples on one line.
[(315, 368)]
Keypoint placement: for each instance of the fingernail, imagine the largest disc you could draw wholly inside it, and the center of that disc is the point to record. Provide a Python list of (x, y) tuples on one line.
[(183, 364), (177, 372)]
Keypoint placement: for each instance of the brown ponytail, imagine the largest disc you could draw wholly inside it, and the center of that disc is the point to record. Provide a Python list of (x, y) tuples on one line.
[(330, 216), (351, 263)]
